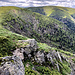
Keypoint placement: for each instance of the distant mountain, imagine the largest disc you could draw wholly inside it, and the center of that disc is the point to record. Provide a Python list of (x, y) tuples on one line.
[(63, 14)]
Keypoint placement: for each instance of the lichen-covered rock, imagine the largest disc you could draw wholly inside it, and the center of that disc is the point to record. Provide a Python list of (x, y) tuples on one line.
[(28, 49), (39, 57), (11, 65), (31, 47), (53, 55), (32, 43), (19, 53), (49, 58)]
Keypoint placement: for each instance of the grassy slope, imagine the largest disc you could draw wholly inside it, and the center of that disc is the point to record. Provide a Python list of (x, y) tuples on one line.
[(8, 39), (48, 10), (6, 9), (63, 14)]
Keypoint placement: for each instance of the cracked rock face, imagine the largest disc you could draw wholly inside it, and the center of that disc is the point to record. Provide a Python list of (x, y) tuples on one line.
[(11, 65), (32, 46), (39, 57)]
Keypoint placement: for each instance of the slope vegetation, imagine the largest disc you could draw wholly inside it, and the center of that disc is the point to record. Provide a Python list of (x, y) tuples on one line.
[(42, 28), (63, 14)]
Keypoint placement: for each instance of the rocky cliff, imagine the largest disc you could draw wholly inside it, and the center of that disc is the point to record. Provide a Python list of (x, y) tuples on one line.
[(12, 65)]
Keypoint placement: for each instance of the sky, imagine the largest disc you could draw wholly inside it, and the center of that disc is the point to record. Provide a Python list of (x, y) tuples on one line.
[(37, 3)]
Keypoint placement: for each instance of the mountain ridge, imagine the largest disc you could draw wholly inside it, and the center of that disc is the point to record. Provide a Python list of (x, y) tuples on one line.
[(63, 14), (43, 44), (36, 25)]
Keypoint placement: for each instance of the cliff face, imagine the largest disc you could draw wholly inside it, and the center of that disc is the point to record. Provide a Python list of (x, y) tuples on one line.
[(11, 65)]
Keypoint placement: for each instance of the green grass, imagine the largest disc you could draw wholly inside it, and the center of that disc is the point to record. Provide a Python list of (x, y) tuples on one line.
[(8, 41), (5, 9), (11, 35), (46, 71), (49, 9), (10, 20), (64, 68), (43, 46), (63, 14), (29, 71), (5, 46), (46, 48), (13, 21), (73, 60)]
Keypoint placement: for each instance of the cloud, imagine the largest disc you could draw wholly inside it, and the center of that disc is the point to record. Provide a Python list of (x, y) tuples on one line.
[(35, 3), (5, 0)]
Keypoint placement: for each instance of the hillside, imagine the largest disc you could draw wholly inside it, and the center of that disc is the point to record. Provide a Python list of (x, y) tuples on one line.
[(63, 14), (41, 44), (42, 28)]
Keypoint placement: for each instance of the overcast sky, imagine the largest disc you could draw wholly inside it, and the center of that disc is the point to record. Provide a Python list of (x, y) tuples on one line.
[(36, 3)]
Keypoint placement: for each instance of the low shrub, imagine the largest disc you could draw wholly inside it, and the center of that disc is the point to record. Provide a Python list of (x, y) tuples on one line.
[(46, 71), (29, 71), (6, 45)]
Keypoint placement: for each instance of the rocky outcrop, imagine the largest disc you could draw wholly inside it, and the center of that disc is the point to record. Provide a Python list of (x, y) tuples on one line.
[(43, 57), (11, 65), (39, 57), (32, 43), (28, 50), (18, 53), (31, 51)]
